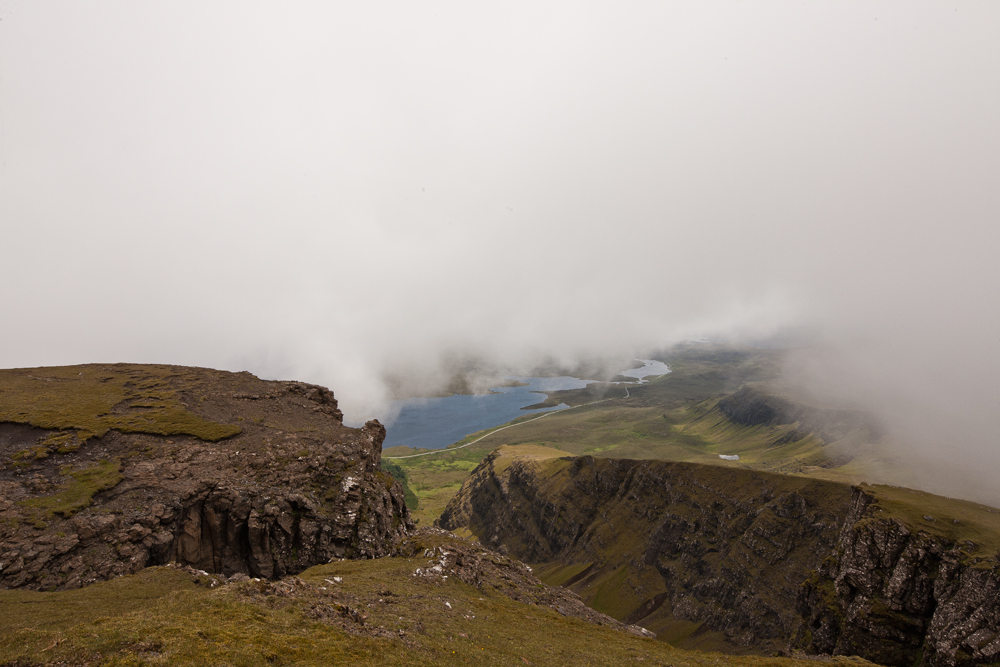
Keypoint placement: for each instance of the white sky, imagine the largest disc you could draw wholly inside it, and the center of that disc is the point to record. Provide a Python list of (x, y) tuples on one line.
[(327, 191)]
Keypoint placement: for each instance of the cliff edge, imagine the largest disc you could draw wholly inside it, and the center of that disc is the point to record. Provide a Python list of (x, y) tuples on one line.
[(108, 468), (745, 561)]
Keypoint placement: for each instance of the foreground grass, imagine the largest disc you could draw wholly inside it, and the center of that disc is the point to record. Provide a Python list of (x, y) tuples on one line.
[(350, 612)]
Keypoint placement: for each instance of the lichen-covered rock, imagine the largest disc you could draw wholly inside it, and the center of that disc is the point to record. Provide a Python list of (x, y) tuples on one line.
[(900, 596), (292, 488)]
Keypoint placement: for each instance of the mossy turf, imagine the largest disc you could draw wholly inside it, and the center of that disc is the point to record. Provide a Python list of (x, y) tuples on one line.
[(953, 520), (78, 492), (89, 400), (162, 617), (21, 610), (400, 475)]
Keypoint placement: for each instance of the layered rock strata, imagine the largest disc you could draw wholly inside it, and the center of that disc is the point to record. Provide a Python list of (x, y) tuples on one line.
[(293, 488), (901, 596)]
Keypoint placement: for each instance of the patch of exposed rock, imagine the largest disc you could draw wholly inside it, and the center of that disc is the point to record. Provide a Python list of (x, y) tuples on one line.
[(294, 488), (489, 571)]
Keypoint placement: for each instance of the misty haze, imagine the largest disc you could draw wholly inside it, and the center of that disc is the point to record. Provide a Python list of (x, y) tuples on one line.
[(365, 196)]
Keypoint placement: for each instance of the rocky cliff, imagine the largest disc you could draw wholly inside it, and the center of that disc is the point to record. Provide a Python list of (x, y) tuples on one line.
[(740, 560), (900, 594), (679, 548), (109, 468)]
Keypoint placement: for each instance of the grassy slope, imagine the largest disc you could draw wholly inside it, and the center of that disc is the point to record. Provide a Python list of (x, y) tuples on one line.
[(951, 519), (161, 617), (89, 400)]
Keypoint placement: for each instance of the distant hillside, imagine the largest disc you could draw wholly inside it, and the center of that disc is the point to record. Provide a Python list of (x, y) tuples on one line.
[(717, 400)]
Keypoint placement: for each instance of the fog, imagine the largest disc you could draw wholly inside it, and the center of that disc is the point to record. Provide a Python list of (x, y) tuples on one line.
[(342, 192)]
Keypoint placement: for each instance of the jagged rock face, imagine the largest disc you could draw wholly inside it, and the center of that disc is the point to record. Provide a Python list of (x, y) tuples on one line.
[(897, 597), (292, 489), (727, 548)]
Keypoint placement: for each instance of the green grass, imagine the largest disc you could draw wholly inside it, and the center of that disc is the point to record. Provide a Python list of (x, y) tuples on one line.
[(607, 596), (952, 520), (161, 617), (44, 612), (92, 399), (400, 475), (78, 492)]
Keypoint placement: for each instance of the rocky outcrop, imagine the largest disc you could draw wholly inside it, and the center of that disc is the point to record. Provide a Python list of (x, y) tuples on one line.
[(656, 543), (490, 572), (900, 596), (292, 489)]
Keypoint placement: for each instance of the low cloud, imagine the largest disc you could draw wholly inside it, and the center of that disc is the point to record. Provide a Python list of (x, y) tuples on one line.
[(348, 194)]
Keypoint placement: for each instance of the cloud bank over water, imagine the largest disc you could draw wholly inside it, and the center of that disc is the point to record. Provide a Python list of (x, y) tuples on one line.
[(336, 193)]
